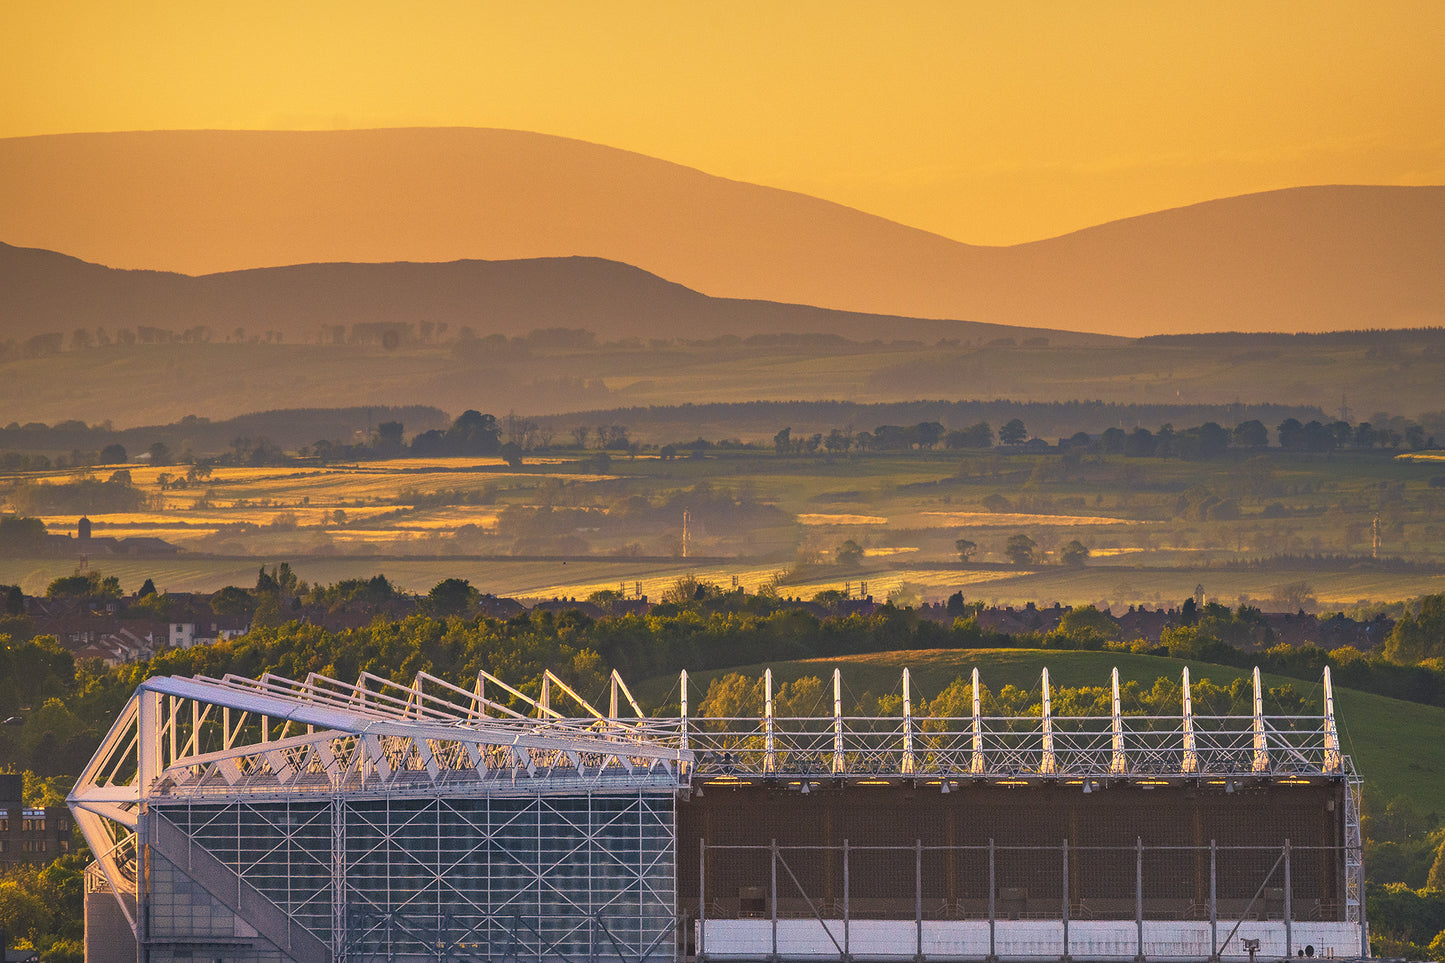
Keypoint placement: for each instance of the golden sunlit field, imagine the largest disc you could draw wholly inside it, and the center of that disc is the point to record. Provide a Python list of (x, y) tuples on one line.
[(556, 527)]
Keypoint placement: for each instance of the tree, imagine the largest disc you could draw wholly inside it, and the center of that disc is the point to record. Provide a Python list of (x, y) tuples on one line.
[(1166, 442), (23, 913), (979, 435), (90, 584), (1189, 612), (511, 453), (233, 600), (893, 438), (849, 554), (1420, 635), (160, 453), (1319, 437), (1209, 440), (148, 587), (473, 433), (1291, 434), (280, 582), (1251, 434), (113, 455), (1294, 596), (388, 442), (453, 596), (20, 535), (1020, 549), (613, 437), (1013, 433), (1141, 443), (928, 433), (690, 588), (1074, 554), (965, 549), (1436, 879), (1084, 620), (996, 502), (783, 442)]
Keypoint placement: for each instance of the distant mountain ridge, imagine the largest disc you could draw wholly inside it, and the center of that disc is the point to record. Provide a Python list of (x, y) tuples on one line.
[(43, 291), (1303, 259)]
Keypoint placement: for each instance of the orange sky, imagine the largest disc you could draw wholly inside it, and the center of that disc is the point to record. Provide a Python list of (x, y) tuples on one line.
[(990, 123)]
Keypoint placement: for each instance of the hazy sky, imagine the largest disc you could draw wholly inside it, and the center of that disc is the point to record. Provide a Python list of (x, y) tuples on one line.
[(986, 122)]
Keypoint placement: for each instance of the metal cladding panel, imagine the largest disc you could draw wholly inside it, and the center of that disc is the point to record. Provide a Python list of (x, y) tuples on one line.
[(108, 936), (1028, 826)]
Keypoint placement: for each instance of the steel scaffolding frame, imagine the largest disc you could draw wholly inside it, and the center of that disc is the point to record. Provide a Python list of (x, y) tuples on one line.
[(271, 748), (329, 749), (552, 877)]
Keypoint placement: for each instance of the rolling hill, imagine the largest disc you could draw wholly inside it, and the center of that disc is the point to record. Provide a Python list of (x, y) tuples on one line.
[(45, 291), (201, 202)]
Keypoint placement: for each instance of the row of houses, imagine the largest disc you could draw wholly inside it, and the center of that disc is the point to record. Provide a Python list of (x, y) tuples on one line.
[(109, 630)]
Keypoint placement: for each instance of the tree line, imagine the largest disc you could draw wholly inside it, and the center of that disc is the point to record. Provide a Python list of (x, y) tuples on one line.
[(1205, 441)]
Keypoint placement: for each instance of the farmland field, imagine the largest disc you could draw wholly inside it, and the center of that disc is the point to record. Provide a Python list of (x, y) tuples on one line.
[(557, 526)]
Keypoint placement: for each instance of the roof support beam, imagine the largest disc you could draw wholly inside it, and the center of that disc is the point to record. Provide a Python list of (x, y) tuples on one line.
[(1048, 764), (909, 763), (1190, 762), (1119, 761), (1261, 744)]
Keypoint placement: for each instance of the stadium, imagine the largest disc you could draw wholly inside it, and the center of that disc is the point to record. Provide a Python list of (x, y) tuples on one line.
[(272, 819)]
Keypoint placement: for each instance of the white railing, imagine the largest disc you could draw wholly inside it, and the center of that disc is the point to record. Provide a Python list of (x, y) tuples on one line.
[(989, 747)]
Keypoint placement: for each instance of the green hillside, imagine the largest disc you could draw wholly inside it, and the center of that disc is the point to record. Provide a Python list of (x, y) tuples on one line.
[(1395, 745)]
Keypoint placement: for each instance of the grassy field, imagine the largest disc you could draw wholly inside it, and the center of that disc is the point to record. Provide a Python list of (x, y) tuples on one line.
[(1395, 745)]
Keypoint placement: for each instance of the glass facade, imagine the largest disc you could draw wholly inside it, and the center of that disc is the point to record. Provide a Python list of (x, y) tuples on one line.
[(537, 877)]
